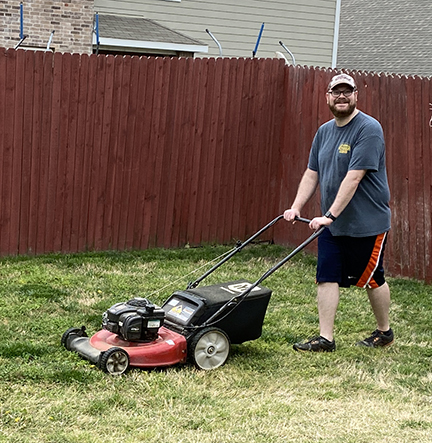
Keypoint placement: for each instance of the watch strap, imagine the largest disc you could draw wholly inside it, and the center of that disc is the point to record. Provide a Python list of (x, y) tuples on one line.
[(328, 214)]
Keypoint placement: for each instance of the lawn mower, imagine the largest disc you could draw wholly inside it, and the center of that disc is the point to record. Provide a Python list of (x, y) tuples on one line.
[(197, 324)]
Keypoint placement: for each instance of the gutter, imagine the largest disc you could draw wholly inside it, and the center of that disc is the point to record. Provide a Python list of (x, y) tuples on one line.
[(119, 43), (336, 33)]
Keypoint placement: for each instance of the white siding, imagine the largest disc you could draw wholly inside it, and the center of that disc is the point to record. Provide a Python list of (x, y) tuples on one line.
[(306, 28)]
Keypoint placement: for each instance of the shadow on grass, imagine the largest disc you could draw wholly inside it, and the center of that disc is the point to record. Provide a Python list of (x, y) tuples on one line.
[(41, 291), (26, 351)]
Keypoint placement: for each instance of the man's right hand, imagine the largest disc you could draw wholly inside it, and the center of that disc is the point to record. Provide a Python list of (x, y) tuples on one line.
[(291, 214)]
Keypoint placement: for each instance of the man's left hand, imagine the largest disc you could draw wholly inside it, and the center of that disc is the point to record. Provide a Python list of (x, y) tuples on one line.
[(317, 222)]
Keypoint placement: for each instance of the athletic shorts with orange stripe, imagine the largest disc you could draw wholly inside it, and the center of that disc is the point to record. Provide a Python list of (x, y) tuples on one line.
[(351, 260)]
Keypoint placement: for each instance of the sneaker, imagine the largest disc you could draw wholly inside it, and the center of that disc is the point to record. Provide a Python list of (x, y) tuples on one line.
[(378, 339), (316, 344)]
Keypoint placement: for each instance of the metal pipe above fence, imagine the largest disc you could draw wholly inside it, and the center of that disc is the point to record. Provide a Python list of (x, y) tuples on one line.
[(216, 41)]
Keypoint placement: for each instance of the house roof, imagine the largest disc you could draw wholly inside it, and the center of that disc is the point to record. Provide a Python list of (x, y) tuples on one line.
[(139, 32), (386, 36)]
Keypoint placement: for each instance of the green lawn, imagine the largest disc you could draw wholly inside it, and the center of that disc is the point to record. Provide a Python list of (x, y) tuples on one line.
[(265, 393)]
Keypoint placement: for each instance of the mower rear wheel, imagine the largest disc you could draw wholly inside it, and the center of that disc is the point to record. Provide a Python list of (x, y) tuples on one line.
[(209, 348), (80, 332), (114, 361)]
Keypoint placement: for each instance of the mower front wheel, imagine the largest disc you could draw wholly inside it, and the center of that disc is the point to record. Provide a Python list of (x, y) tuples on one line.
[(114, 361), (79, 332), (209, 348)]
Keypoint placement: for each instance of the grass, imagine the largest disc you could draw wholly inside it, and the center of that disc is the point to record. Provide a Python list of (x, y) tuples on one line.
[(265, 393)]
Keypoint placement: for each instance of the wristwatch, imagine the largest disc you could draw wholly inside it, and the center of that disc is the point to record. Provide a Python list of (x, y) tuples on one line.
[(328, 214)]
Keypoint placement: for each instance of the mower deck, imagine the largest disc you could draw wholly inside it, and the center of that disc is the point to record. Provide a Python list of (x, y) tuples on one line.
[(168, 349)]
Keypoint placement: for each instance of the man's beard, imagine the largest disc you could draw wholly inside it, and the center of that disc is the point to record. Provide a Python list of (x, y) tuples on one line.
[(343, 113)]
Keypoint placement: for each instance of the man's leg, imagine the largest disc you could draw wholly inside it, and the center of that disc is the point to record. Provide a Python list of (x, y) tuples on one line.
[(328, 269), (328, 300), (380, 301)]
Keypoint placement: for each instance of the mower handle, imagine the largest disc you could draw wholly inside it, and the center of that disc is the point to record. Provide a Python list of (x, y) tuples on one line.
[(239, 247), (236, 300)]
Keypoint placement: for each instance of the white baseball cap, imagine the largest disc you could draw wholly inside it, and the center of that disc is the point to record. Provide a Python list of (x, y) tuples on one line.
[(340, 79)]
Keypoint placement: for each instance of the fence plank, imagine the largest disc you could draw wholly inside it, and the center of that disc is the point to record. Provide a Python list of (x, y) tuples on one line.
[(42, 189), (3, 143), (23, 149), (173, 170), (17, 152), (184, 189), (127, 194), (150, 131), (162, 159), (33, 144), (136, 127), (196, 181), (75, 172), (81, 180), (243, 146), (427, 174), (7, 195), (232, 162)]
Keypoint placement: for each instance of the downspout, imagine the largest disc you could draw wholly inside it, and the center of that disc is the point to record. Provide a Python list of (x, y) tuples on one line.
[(96, 31), (258, 41), (336, 33), (22, 35), (21, 21)]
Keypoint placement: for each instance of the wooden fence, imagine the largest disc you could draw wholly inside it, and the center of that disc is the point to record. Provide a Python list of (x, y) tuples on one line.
[(126, 153)]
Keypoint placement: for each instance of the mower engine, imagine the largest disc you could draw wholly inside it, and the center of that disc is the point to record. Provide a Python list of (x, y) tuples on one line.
[(136, 320)]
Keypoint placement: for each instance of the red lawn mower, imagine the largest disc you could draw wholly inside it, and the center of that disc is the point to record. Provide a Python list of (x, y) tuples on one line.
[(196, 324)]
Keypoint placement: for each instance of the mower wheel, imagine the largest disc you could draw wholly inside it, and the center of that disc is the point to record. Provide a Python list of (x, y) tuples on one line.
[(80, 332), (209, 348), (114, 361)]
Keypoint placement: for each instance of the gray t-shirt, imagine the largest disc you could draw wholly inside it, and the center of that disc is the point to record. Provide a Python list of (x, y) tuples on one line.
[(355, 146)]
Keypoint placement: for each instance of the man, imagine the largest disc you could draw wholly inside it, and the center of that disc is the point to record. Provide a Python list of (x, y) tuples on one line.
[(347, 161)]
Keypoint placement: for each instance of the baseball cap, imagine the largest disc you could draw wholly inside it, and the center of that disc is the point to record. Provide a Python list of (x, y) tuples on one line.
[(340, 79)]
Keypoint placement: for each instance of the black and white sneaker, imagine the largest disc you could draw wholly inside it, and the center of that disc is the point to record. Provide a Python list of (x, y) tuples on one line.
[(316, 344), (378, 339)]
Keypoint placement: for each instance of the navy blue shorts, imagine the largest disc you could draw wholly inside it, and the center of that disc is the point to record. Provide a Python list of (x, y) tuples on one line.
[(351, 260)]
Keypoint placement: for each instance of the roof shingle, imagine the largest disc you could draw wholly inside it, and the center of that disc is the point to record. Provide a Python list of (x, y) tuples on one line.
[(386, 36), (140, 29)]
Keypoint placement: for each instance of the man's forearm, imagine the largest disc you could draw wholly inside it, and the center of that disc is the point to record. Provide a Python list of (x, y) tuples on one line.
[(346, 192), (306, 189)]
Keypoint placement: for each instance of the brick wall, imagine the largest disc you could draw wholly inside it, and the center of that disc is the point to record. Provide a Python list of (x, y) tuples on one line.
[(72, 22)]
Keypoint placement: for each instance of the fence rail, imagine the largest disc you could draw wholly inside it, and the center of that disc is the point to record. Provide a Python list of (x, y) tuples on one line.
[(103, 152)]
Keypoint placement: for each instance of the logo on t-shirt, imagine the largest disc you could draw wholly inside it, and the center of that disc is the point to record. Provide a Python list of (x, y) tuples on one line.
[(344, 148)]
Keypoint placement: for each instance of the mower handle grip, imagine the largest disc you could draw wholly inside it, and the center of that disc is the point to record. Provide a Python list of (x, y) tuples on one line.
[(304, 220)]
